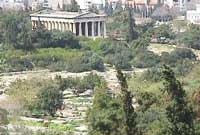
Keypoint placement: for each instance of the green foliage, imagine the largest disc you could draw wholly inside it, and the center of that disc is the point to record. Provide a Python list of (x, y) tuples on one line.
[(151, 121), (42, 38), (112, 115), (152, 74), (105, 116), (163, 32), (88, 61), (145, 59), (64, 40), (55, 59), (117, 54), (72, 7), (190, 38), (183, 53), (132, 34), (16, 30), (90, 81), (127, 106), (49, 99), (108, 9), (140, 44), (179, 113)]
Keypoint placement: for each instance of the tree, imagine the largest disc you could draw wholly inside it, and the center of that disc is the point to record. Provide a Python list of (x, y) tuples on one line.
[(179, 113), (127, 106), (49, 99), (64, 40), (118, 7), (16, 30), (164, 32), (110, 10), (41, 37), (112, 115), (72, 7), (105, 116), (131, 25), (190, 38), (93, 9)]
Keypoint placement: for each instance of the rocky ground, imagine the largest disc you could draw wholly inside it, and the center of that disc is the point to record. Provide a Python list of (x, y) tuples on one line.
[(75, 107)]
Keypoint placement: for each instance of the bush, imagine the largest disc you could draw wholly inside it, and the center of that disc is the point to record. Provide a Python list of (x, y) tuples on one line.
[(64, 40), (145, 59), (183, 67), (190, 38), (152, 74), (81, 85), (183, 53), (177, 56), (88, 61), (163, 32), (49, 99), (117, 54)]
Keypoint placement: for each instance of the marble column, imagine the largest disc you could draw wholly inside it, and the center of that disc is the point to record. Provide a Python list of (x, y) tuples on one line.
[(47, 25), (33, 25), (60, 26), (74, 28), (93, 29), (70, 27), (99, 29), (53, 25), (56, 25), (67, 26), (50, 25), (86, 29), (80, 29), (104, 29), (64, 26)]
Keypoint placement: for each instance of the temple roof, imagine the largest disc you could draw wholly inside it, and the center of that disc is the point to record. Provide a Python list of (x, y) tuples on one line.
[(64, 14)]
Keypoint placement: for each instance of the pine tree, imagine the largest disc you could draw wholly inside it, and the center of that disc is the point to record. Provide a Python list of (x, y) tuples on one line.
[(129, 113), (131, 21), (179, 113)]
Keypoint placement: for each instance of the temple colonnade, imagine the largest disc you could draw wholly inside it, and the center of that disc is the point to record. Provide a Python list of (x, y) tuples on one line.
[(80, 28)]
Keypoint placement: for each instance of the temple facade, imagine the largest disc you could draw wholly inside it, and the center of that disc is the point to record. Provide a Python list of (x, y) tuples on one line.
[(81, 24)]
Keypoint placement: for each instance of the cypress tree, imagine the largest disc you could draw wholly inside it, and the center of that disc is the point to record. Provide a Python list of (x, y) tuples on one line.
[(131, 24), (129, 113), (179, 113)]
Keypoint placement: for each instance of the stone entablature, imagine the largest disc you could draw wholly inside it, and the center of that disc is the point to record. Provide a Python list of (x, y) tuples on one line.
[(81, 24)]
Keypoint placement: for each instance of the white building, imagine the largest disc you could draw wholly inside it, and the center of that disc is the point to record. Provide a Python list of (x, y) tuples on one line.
[(85, 4), (193, 16), (12, 4), (53, 4), (182, 5), (80, 23)]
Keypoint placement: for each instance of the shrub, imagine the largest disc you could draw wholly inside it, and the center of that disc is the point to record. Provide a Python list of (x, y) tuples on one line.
[(49, 99), (145, 59), (88, 61), (183, 53), (117, 54), (183, 67), (64, 40), (176, 56), (152, 74), (87, 82)]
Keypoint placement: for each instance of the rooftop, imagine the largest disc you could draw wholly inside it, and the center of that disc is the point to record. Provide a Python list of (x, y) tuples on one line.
[(64, 14)]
